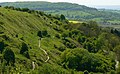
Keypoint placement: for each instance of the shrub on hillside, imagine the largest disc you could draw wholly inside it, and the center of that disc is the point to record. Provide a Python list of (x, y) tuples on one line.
[(25, 9), (24, 50), (57, 35), (9, 56), (81, 60), (62, 17), (2, 46), (39, 34), (42, 34)]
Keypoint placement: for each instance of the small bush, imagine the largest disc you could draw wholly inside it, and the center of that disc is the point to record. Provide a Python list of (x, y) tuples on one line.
[(62, 48), (24, 50), (9, 56), (42, 34), (1, 22), (57, 35), (2, 45), (25, 9), (62, 17)]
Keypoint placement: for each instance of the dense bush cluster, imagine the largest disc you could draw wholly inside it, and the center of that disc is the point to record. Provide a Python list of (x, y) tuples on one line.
[(81, 59), (24, 50), (2, 45), (42, 34), (9, 56), (25, 10)]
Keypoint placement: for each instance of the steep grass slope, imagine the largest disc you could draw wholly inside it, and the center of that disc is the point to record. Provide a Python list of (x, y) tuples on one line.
[(21, 27)]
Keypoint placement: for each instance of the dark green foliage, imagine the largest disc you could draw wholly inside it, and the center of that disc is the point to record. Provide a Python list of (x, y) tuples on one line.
[(81, 60), (62, 48), (57, 35), (112, 72), (5, 37), (69, 44), (65, 35), (2, 46), (90, 47), (18, 9), (16, 35), (25, 9), (51, 69), (39, 34), (9, 56), (26, 54), (24, 50), (90, 29), (42, 34), (81, 39), (1, 22), (115, 31), (9, 7), (62, 17)]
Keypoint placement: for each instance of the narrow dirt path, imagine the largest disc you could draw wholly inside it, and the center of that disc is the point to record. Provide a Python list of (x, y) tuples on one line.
[(33, 63), (117, 63), (44, 52)]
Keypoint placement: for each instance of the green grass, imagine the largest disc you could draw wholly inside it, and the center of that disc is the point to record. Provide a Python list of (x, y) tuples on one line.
[(26, 26)]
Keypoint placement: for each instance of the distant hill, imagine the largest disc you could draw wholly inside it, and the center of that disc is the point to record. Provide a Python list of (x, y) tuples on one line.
[(71, 11), (41, 5)]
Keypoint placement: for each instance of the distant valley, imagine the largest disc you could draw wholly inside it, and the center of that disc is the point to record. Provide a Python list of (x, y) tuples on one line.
[(73, 11)]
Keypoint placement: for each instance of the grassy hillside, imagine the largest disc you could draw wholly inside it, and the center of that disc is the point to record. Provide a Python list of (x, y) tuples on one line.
[(71, 11), (28, 38), (21, 27)]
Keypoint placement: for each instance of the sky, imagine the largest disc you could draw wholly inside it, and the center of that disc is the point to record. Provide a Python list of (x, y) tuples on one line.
[(81, 2)]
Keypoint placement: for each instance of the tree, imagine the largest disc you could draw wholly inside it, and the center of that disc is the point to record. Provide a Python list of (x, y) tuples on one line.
[(24, 50), (39, 34), (62, 17), (81, 39), (81, 60), (2, 45), (9, 56), (42, 34), (25, 9)]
